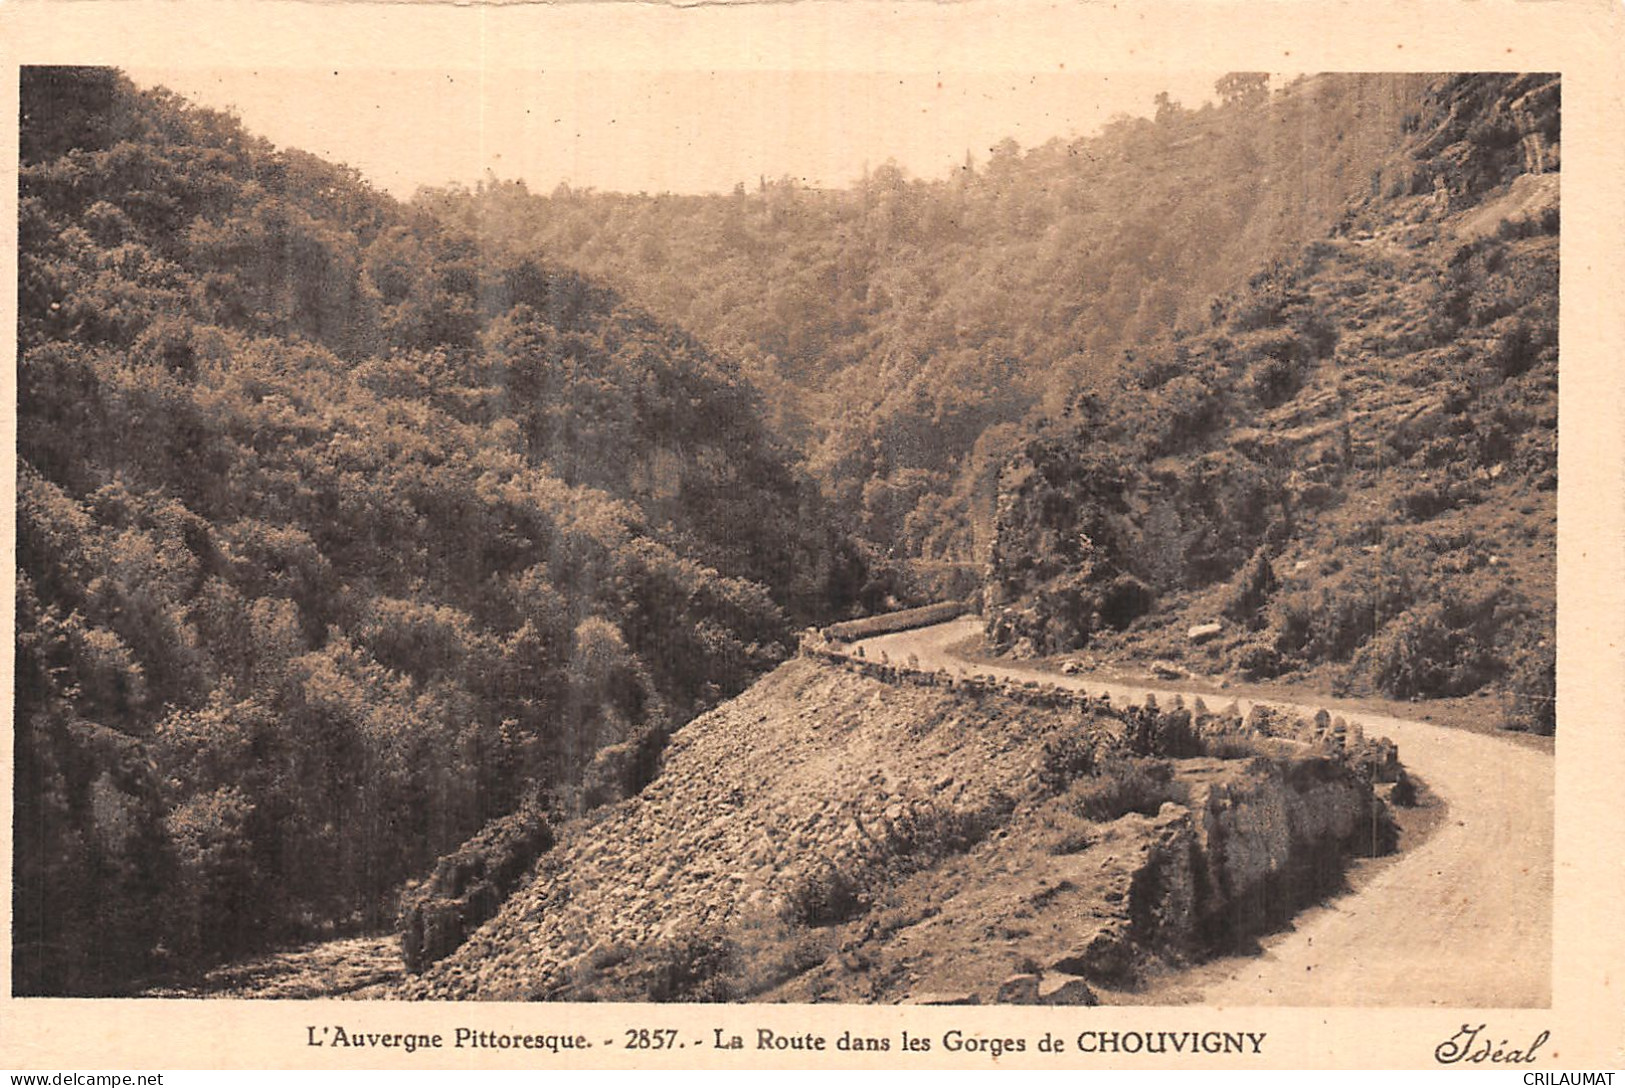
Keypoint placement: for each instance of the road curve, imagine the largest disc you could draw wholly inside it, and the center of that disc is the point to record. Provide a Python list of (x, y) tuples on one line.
[(1463, 919)]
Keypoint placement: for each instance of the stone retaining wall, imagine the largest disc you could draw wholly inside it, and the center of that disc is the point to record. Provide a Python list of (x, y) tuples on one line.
[(891, 622)]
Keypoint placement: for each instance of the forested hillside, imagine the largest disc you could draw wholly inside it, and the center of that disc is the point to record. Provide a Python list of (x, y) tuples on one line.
[(1353, 466), (1308, 331), (903, 328), (338, 537), (347, 527)]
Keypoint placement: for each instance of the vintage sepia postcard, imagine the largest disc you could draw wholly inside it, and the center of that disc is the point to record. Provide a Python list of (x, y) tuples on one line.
[(817, 534)]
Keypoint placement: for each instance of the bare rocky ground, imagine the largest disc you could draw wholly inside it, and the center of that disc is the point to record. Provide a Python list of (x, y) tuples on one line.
[(832, 837), (783, 807), (354, 966)]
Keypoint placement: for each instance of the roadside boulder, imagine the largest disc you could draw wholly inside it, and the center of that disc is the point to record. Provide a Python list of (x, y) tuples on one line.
[(1108, 953), (1065, 990), (1018, 990)]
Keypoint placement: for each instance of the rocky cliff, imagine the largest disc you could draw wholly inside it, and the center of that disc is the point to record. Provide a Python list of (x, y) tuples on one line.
[(1349, 472)]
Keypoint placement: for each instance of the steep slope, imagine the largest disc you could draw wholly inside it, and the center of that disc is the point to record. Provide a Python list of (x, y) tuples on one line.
[(1353, 468), (338, 538), (841, 832)]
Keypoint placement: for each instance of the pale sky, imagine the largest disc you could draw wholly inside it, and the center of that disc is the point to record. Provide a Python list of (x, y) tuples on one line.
[(656, 131)]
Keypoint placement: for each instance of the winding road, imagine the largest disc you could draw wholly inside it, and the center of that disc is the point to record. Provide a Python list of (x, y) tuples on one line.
[(1463, 919)]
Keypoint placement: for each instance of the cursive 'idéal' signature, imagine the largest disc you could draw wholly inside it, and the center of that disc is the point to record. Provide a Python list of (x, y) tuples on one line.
[(1468, 1046)]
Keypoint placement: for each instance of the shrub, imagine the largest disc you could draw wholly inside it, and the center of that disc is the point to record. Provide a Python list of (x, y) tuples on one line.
[(826, 895), (690, 967), (1531, 695), (1125, 600), (1258, 661), (1343, 619), (610, 955), (1182, 411), (1264, 304), (1515, 351), (1431, 499), (1156, 371), (1073, 840), (1342, 613), (1251, 590), (1410, 657), (1294, 617), (1425, 501), (1142, 728), (1065, 759), (1404, 792), (1175, 736), (1127, 785), (928, 832), (1317, 253), (1274, 380), (1420, 655), (621, 770), (1317, 337)]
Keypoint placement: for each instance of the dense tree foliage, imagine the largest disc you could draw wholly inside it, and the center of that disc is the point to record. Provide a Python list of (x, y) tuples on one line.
[(338, 536), (901, 328)]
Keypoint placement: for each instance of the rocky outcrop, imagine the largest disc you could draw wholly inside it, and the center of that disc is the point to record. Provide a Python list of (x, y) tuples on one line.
[(468, 886), (1253, 844), (1272, 838)]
